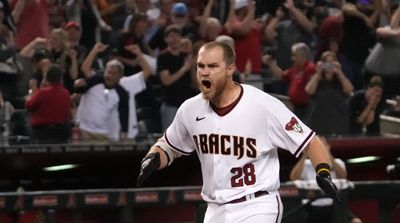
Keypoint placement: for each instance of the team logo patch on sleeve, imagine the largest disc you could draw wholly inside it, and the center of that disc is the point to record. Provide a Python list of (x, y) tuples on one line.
[(294, 125)]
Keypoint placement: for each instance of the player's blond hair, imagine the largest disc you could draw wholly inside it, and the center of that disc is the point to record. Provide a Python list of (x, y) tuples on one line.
[(228, 52)]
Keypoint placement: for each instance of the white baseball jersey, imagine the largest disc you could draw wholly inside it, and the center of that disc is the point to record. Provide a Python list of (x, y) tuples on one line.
[(237, 151)]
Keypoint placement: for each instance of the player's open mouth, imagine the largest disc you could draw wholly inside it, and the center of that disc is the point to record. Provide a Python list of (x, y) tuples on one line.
[(206, 84)]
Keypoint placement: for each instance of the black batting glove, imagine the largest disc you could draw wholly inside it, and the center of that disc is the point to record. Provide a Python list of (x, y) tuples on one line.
[(149, 164), (324, 181)]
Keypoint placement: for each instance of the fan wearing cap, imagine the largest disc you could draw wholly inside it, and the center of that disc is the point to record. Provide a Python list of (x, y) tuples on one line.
[(179, 16), (74, 33)]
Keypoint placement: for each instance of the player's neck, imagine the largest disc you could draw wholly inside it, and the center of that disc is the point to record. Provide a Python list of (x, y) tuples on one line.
[(228, 96)]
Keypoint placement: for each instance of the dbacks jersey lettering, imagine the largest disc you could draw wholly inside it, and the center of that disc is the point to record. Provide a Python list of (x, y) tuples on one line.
[(225, 145)]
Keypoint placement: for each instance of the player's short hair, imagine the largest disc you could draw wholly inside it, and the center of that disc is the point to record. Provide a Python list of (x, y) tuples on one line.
[(226, 39), (228, 52), (116, 63)]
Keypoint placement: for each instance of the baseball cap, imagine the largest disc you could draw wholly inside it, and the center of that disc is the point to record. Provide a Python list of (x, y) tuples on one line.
[(240, 4), (71, 24), (179, 9)]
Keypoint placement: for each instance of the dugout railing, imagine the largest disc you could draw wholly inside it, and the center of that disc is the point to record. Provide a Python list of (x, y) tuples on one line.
[(385, 192)]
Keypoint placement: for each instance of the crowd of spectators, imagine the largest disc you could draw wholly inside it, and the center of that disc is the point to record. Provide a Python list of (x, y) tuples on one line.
[(336, 60)]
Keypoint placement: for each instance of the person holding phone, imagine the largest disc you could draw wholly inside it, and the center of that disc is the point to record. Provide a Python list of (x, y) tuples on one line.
[(329, 89)]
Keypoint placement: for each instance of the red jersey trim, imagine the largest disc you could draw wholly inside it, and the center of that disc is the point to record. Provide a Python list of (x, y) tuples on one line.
[(304, 144), (173, 147), (225, 110), (279, 209)]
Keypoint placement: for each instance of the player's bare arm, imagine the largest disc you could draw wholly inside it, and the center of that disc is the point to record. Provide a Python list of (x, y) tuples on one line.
[(321, 160), (295, 174), (317, 152)]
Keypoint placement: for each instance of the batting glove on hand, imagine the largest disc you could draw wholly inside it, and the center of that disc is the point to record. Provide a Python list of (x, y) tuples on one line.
[(149, 164), (324, 181)]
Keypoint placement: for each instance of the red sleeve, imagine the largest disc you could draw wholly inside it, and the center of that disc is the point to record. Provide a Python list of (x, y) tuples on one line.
[(286, 75), (33, 102)]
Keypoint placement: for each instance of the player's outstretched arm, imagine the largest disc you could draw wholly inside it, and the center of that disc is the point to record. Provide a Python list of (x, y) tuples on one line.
[(155, 159), (320, 158), (316, 151)]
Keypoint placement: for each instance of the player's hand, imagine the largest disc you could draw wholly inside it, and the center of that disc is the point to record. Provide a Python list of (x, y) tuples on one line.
[(149, 164), (324, 181)]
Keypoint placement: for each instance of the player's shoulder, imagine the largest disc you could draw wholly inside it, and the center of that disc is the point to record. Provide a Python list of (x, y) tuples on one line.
[(260, 100), (258, 96), (195, 102)]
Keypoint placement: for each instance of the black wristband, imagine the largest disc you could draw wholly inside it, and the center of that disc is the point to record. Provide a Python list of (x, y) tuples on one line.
[(323, 168)]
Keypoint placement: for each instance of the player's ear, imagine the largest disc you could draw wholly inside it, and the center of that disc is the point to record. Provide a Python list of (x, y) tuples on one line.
[(231, 69)]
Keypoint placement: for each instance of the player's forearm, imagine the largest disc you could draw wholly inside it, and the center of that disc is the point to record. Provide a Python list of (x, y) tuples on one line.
[(295, 174), (317, 152)]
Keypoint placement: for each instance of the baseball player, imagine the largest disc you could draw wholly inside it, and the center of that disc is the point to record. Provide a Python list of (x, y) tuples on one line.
[(236, 131)]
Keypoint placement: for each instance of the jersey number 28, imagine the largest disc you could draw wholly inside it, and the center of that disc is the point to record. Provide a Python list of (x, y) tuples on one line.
[(243, 175)]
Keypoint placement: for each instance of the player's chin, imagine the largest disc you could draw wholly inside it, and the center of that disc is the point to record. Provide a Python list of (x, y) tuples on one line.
[(207, 93)]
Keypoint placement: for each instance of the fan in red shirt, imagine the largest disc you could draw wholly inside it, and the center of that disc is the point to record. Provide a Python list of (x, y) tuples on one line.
[(297, 76), (50, 110)]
